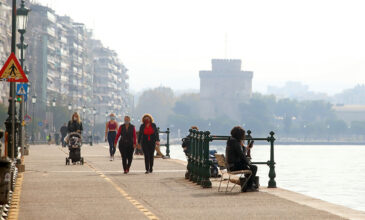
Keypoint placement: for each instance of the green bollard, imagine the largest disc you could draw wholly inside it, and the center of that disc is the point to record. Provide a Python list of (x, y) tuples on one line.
[(192, 155), (206, 183), (200, 157), (194, 162), (272, 174)]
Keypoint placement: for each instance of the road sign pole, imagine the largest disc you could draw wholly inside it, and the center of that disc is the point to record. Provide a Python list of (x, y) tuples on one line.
[(21, 113), (11, 120)]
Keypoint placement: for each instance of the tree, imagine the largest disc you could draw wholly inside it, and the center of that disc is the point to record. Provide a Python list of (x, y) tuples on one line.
[(288, 110), (187, 104), (257, 114), (158, 102), (316, 110), (358, 127)]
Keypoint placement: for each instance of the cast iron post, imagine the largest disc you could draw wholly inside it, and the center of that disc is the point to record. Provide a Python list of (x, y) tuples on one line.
[(272, 174)]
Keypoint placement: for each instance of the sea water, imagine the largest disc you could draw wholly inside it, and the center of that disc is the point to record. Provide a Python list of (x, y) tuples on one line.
[(334, 173)]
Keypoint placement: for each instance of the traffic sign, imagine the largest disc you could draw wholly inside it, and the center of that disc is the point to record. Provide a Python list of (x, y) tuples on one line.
[(27, 118), (12, 71), (22, 89)]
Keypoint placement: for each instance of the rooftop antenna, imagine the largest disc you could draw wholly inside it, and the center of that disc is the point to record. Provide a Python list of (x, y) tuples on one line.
[(225, 45)]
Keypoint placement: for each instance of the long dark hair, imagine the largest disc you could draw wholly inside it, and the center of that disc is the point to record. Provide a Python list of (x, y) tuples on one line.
[(238, 133)]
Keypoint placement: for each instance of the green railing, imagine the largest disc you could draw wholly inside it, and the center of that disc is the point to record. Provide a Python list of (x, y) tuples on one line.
[(198, 168), (167, 145)]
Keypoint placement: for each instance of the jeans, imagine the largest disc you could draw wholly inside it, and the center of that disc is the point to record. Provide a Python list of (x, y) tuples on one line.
[(63, 140), (111, 139)]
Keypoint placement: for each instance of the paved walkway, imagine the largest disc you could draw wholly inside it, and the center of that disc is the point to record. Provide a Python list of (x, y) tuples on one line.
[(99, 190)]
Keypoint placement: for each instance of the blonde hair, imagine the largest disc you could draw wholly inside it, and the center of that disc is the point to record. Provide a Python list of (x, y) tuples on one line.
[(149, 116), (78, 117)]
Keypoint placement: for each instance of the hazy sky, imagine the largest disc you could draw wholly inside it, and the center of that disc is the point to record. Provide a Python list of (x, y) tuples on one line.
[(167, 42)]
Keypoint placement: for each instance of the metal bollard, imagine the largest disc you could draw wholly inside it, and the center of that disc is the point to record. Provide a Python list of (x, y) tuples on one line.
[(195, 156), (272, 174), (192, 157), (206, 163), (200, 157)]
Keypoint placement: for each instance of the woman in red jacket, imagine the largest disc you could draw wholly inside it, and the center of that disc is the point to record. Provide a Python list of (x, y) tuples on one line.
[(148, 138)]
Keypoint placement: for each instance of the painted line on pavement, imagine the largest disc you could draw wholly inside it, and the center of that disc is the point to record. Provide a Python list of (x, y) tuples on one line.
[(115, 171), (15, 201), (134, 202)]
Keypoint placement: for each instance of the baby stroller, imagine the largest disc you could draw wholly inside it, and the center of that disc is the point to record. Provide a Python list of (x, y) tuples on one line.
[(74, 142), (214, 164)]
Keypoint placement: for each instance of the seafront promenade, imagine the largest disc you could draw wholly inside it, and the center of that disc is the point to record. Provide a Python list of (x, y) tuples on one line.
[(99, 190)]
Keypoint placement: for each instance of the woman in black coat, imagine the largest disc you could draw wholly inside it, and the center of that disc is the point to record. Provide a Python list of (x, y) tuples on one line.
[(236, 156), (148, 138)]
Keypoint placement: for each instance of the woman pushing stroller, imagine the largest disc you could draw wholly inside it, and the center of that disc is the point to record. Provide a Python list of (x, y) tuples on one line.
[(74, 139), (75, 124)]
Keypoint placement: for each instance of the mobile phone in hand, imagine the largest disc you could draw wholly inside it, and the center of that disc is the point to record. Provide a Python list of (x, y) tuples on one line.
[(250, 145)]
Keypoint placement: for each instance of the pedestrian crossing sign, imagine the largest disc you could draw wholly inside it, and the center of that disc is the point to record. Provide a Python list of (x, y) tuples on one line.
[(12, 71), (22, 89)]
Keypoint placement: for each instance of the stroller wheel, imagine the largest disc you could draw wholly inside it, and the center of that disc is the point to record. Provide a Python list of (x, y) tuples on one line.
[(82, 161)]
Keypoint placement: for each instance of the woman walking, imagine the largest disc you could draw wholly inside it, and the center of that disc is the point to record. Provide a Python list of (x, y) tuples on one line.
[(127, 143), (148, 138), (110, 134)]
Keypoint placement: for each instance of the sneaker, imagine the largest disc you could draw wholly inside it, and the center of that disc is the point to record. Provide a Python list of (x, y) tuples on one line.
[(146, 172), (111, 159), (150, 170), (125, 171)]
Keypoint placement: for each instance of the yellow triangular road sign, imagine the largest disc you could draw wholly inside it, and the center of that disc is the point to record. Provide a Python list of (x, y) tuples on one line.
[(12, 71)]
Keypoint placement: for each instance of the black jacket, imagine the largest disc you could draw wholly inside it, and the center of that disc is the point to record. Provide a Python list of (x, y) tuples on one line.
[(235, 153), (63, 131), (73, 126), (143, 138), (126, 136)]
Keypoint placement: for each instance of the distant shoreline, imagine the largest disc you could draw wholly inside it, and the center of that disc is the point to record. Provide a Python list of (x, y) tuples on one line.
[(278, 142), (319, 143)]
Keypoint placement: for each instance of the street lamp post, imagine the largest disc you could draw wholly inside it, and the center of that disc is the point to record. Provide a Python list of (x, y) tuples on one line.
[(26, 71), (94, 114), (12, 119), (83, 112), (70, 108), (54, 111), (22, 17), (34, 100)]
